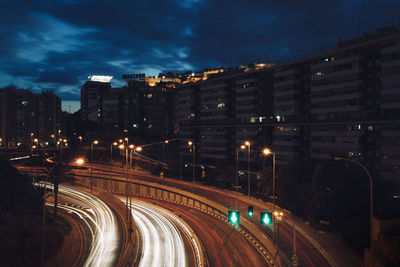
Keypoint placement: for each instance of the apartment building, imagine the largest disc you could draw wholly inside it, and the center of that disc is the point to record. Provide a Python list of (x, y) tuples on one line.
[(25, 116), (221, 112), (342, 103), (144, 107)]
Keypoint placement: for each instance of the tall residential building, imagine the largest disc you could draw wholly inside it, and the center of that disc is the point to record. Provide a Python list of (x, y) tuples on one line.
[(24, 115), (143, 107), (342, 103), (221, 112)]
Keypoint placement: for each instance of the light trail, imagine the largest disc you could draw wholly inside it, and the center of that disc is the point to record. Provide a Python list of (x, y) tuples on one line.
[(102, 224), (162, 242)]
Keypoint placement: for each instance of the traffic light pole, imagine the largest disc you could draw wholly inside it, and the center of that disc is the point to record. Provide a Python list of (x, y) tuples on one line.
[(237, 177)]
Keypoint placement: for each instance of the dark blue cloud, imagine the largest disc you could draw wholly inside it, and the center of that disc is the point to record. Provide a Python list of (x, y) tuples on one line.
[(57, 44)]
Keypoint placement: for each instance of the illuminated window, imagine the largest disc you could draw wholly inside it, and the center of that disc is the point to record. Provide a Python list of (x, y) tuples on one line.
[(221, 105), (149, 95)]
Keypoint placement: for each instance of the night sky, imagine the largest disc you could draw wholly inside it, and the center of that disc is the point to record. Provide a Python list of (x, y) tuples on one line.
[(57, 44)]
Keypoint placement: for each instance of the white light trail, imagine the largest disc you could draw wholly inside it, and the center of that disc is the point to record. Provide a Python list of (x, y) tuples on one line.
[(102, 223), (162, 243)]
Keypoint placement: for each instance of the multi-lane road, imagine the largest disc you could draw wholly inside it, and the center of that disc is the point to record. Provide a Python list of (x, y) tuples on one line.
[(214, 236), (102, 241)]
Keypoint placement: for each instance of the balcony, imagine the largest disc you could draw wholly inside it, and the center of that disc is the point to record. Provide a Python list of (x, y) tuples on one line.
[(322, 65), (333, 98)]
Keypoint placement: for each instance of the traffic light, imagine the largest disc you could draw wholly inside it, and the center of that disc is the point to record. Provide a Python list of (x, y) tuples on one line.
[(250, 211), (233, 216), (266, 217)]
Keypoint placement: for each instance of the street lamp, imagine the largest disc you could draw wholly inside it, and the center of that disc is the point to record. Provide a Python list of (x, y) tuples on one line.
[(95, 142), (267, 152), (237, 176), (248, 145), (37, 143), (190, 143), (371, 203), (111, 150), (79, 161), (130, 155), (80, 139)]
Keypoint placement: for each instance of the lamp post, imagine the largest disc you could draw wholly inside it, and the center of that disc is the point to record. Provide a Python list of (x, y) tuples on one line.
[(267, 152), (237, 177), (54, 139), (80, 139), (190, 143), (371, 203), (130, 155), (37, 144), (248, 145), (122, 147), (95, 142), (111, 150)]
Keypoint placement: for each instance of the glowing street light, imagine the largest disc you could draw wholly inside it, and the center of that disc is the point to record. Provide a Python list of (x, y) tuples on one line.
[(267, 152), (95, 142), (79, 161), (248, 145), (190, 143)]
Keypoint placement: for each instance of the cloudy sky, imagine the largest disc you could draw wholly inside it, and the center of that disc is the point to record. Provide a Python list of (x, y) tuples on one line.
[(57, 44)]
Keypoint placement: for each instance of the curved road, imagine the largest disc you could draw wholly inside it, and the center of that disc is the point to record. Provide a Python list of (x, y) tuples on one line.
[(99, 220), (223, 245), (161, 241)]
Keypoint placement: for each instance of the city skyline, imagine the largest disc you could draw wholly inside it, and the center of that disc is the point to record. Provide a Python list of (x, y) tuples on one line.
[(57, 46)]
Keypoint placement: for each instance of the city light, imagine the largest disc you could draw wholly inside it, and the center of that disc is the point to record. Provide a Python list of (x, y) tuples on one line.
[(138, 149), (79, 161), (266, 151), (100, 78)]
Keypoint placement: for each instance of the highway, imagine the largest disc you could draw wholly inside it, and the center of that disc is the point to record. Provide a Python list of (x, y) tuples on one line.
[(100, 222), (162, 237), (223, 244), (307, 250)]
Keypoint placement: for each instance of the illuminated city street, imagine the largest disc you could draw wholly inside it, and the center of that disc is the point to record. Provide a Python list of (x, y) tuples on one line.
[(200, 133), (104, 239)]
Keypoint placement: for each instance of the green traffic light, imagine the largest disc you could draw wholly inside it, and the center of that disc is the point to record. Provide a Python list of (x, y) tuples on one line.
[(233, 216), (266, 217), (250, 211)]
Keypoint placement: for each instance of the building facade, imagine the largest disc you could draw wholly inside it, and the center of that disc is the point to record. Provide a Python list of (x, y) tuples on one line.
[(343, 103), (25, 116)]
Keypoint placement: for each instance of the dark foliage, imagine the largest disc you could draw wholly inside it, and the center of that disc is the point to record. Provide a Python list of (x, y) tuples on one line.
[(21, 220)]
